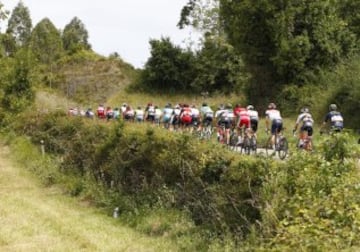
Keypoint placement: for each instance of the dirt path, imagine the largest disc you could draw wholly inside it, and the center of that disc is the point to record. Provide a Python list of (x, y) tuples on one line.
[(33, 218)]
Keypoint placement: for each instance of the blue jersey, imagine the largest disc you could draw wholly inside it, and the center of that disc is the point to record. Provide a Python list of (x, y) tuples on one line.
[(335, 118)]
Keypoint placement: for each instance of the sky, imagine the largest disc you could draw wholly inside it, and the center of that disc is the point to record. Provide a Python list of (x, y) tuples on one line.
[(122, 26)]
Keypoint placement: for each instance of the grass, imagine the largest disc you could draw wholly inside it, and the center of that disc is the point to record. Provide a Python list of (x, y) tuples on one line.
[(35, 218)]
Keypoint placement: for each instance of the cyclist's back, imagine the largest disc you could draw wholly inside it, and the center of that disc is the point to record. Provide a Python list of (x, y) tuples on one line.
[(335, 118)]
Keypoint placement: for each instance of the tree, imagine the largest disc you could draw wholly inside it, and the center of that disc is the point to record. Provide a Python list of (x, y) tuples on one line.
[(18, 91), (218, 67), (20, 24), (46, 42), (3, 16), (287, 38), (75, 36), (202, 15), (169, 68)]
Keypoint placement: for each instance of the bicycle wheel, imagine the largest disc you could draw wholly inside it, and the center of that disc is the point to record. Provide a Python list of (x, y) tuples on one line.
[(233, 141), (207, 133), (269, 148), (246, 146), (253, 145), (282, 148)]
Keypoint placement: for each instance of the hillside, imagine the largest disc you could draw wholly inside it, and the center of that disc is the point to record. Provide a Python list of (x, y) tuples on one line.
[(93, 79)]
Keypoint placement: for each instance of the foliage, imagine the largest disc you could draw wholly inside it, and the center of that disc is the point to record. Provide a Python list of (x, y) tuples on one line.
[(75, 36), (219, 68), (342, 86), (203, 15), (20, 24), (18, 90), (289, 38), (45, 42), (262, 203), (168, 69)]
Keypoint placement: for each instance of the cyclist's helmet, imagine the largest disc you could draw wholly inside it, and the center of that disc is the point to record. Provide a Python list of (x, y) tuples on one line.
[(272, 106), (304, 110), (250, 107), (204, 104), (332, 107)]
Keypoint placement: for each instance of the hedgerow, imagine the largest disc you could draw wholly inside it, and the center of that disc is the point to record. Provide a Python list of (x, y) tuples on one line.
[(309, 201)]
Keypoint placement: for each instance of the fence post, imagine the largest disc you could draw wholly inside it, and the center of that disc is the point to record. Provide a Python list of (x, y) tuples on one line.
[(42, 147)]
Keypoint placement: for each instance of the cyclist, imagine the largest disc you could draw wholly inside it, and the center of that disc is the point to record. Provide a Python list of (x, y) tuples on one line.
[(207, 115), (175, 118), (243, 121), (195, 116), (273, 119), (100, 111), (186, 116), (109, 113), (306, 121), (123, 108), (226, 117), (116, 113), (158, 115), (254, 118), (150, 112), (139, 114), (129, 114), (89, 113), (335, 118), (167, 113)]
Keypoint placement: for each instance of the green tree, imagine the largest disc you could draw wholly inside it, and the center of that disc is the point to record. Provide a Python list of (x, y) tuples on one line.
[(219, 67), (46, 42), (169, 67), (75, 36), (349, 11), (18, 91), (3, 16), (287, 39), (20, 24), (202, 15)]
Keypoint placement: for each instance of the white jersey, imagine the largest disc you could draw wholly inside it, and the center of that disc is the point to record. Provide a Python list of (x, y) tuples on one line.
[(273, 115), (254, 115), (139, 113), (219, 112), (206, 111), (306, 119), (195, 112), (158, 113)]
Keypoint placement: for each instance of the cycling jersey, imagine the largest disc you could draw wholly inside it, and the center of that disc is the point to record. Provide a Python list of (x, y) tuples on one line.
[(276, 120), (244, 117), (254, 119), (186, 115), (306, 121), (167, 112), (336, 119), (139, 115), (100, 112)]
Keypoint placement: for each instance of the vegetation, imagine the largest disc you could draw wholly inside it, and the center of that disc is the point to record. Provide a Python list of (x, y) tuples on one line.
[(296, 53)]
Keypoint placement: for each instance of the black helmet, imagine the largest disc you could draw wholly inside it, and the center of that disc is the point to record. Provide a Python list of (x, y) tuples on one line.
[(204, 104), (332, 107)]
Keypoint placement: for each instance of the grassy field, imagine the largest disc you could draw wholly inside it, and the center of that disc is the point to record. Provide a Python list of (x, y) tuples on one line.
[(34, 218)]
